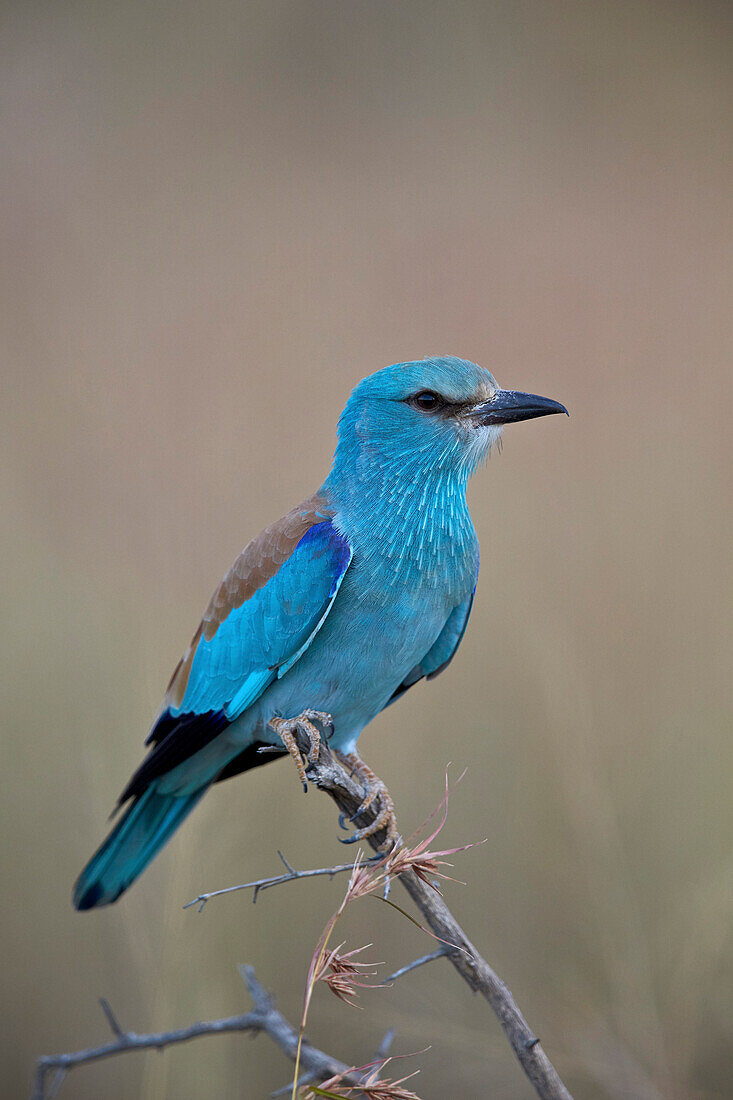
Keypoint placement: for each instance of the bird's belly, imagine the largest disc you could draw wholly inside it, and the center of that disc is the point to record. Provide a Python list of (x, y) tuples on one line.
[(361, 654)]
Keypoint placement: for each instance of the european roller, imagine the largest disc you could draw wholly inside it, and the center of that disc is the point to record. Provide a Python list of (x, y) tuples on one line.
[(330, 614)]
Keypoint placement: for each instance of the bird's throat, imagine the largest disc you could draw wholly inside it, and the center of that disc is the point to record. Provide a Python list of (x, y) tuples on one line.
[(409, 521)]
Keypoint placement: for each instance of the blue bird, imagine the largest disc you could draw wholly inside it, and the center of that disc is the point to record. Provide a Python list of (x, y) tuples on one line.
[(345, 603)]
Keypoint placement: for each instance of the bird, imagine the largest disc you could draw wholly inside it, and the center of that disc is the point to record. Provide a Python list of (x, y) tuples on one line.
[(329, 615)]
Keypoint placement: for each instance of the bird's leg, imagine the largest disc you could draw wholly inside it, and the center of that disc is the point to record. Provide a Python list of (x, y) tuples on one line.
[(286, 728), (375, 790)]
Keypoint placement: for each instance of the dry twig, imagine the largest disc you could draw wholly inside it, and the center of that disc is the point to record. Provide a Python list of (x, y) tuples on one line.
[(331, 777), (291, 875), (415, 867), (51, 1069)]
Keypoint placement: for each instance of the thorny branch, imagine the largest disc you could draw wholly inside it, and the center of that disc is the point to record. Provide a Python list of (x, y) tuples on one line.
[(51, 1069), (265, 883), (331, 777), (439, 954)]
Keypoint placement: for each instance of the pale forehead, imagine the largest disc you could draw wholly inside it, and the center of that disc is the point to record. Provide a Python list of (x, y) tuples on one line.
[(456, 379)]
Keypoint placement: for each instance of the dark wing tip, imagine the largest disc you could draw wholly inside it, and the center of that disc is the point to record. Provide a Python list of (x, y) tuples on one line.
[(90, 897)]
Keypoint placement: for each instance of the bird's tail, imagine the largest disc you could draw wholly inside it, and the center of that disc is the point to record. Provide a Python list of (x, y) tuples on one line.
[(147, 824)]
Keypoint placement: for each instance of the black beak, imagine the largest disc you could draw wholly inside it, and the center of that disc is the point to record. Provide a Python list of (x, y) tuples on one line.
[(507, 406)]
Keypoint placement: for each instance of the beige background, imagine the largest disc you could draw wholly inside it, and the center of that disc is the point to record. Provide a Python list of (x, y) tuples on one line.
[(217, 218)]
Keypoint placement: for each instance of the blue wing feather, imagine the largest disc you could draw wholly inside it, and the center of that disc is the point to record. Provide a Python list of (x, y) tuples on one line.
[(262, 638), (257, 642)]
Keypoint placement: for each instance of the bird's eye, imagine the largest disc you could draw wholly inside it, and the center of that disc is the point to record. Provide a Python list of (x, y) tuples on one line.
[(426, 401)]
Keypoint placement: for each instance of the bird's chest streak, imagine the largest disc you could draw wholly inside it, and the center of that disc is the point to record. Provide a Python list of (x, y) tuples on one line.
[(379, 629)]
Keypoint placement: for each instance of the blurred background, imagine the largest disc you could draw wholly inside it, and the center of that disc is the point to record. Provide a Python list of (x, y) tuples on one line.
[(216, 219)]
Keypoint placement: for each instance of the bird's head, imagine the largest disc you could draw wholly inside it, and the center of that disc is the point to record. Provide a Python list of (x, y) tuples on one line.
[(439, 414)]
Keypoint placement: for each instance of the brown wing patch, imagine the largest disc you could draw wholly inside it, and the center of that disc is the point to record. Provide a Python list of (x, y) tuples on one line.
[(259, 561)]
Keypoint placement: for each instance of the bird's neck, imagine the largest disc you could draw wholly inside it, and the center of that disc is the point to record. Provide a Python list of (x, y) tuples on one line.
[(406, 516)]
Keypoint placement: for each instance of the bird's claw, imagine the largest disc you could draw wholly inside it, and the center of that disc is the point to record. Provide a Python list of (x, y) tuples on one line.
[(287, 728), (348, 819), (385, 819), (305, 722), (374, 791)]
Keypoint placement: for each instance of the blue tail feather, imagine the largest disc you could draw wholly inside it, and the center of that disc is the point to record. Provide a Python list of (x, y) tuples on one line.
[(146, 826)]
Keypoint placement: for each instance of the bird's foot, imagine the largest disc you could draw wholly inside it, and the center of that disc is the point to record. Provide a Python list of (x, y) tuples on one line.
[(287, 728), (376, 791)]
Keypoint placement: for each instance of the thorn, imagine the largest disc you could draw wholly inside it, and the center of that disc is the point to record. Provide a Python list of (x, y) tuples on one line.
[(111, 1018), (285, 862), (386, 1043), (439, 954), (531, 1043), (56, 1082)]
